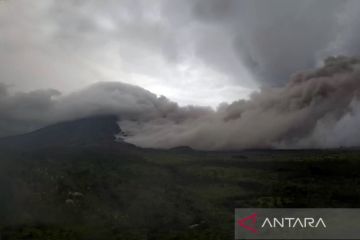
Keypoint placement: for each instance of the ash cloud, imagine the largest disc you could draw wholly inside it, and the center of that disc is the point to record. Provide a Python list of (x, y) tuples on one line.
[(315, 109), (26, 111)]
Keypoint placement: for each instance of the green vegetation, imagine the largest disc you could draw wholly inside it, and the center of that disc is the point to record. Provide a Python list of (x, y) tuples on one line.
[(107, 193)]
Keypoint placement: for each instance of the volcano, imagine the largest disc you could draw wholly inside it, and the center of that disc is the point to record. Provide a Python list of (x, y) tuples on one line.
[(91, 131)]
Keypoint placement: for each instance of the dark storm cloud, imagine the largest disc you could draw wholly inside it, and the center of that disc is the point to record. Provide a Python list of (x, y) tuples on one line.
[(24, 111), (348, 37), (169, 45), (3, 90), (272, 39)]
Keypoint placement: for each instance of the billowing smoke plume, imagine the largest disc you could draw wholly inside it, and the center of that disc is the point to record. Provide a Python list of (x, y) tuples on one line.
[(26, 111), (317, 108)]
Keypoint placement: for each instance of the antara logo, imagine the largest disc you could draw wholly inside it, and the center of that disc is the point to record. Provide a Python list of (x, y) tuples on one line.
[(249, 223), (291, 222)]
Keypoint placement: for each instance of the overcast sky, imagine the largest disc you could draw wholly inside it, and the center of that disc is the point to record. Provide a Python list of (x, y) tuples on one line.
[(200, 52)]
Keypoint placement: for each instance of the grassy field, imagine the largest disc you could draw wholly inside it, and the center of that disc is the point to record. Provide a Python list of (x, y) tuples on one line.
[(106, 193)]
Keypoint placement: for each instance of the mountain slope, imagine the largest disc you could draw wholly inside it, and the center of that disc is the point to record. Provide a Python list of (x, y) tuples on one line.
[(88, 131)]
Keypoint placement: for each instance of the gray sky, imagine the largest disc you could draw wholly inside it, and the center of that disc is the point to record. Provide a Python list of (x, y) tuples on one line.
[(200, 52), (63, 60)]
